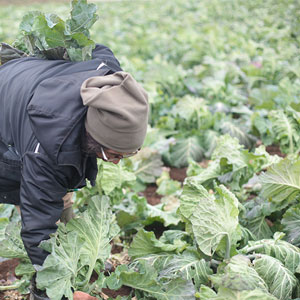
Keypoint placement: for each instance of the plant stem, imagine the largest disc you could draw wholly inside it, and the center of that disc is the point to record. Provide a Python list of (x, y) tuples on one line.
[(228, 246), (257, 247), (215, 262)]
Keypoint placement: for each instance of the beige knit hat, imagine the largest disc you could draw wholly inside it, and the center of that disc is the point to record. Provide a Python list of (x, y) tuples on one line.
[(117, 113)]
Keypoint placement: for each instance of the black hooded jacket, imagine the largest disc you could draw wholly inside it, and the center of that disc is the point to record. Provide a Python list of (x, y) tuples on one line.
[(41, 125)]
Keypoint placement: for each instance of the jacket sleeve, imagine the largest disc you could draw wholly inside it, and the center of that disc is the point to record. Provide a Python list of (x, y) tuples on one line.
[(42, 187)]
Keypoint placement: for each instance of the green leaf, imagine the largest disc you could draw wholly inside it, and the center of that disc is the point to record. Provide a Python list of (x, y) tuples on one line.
[(281, 182), (214, 219), (247, 235), (228, 294), (49, 31), (24, 268), (192, 112), (207, 175), (236, 164), (259, 227), (81, 54), (131, 211), (279, 279), (157, 213), (236, 131), (11, 245), (210, 142), (265, 159), (146, 281), (264, 97), (184, 150), (112, 176), (239, 275), (285, 252), (291, 224), (28, 21), (263, 127), (206, 293), (48, 36), (76, 248), (96, 228), (60, 267), (3, 224), (188, 106), (83, 16), (113, 281), (147, 165), (167, 186), (191, 196), (145, 244), (189, 266), (286, 130)]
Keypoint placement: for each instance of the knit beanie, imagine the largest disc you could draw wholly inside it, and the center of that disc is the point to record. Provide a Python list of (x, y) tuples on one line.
[(117, 113)]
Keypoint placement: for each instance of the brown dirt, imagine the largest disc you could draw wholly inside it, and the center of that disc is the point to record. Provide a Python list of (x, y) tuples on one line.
[(7, 269), (123, 291), (178, 174), (7, 277), (150, 193), (275, 149), (116, 249)]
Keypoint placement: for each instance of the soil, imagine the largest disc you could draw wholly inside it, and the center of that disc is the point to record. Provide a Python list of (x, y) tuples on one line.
[(7, 277), (178, 174), (150, 193), (275, 150), (123, 291)]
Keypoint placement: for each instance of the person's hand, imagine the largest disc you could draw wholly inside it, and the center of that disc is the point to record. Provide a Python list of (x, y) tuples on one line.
[(83, 296)]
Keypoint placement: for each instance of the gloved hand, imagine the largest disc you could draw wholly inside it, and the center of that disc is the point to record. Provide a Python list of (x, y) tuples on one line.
[(83, 296)]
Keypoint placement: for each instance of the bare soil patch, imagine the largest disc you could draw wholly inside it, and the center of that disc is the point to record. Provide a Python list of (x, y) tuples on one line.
[(7, 277), (123, 291), (150, 193), (275, 150), (178, 174)]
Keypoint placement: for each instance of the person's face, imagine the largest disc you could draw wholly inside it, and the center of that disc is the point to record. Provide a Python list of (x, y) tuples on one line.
[(113, 156)]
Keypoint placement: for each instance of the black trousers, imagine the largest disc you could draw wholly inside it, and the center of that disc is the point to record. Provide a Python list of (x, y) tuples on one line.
[(10, 175)]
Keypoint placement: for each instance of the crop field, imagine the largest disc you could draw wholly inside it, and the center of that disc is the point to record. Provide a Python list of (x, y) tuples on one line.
[(209, 208)]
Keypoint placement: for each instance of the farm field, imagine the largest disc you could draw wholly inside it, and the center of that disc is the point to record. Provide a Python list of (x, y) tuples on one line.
[(209, 208)]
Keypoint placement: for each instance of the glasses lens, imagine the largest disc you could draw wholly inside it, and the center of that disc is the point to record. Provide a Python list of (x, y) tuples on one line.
[(114, 156)]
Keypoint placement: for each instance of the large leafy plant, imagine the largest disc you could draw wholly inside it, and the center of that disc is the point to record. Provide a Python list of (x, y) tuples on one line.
[(77, 249), (48, 36)]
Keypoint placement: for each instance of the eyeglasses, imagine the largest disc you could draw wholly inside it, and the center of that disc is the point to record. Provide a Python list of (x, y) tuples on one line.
[(116, 156)]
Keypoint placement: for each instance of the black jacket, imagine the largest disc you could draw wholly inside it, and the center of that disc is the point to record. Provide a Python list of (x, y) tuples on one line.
[(42, 120)]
